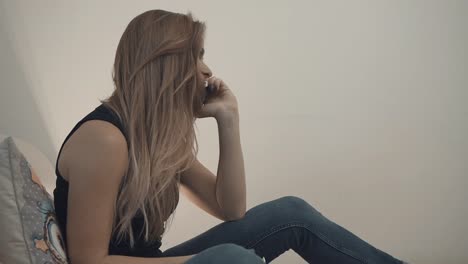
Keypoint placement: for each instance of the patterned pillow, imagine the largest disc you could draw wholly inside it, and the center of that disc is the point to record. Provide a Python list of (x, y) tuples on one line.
[(28, 227)]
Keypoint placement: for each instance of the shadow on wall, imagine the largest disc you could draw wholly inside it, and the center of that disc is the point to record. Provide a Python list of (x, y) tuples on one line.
[(19, 113)]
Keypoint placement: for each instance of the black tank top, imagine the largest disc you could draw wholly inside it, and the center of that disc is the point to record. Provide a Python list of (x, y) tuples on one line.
[(141, 248)]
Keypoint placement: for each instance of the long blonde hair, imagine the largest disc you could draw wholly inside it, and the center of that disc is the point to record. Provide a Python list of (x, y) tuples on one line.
[(155, 78)]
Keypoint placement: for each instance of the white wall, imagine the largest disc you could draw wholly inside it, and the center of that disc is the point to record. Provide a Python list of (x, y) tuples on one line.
[(359, 107)]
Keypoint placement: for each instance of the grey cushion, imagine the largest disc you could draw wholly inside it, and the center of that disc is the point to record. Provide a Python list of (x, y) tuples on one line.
[(30, 233)]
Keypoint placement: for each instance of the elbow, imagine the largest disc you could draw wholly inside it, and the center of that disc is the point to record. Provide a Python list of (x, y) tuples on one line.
[(108, 259), (90, 260), (234, 216), (232, 213)]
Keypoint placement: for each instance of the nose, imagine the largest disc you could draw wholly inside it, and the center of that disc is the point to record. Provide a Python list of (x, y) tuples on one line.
[(206, 72)]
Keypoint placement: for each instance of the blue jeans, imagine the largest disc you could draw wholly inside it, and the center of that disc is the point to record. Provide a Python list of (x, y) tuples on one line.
[(271, 228)]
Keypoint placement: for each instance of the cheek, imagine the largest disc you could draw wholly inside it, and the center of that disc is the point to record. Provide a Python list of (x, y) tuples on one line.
[(200, 81), (201, 91)]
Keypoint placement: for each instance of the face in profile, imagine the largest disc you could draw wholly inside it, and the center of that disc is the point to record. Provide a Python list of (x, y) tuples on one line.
[(204, 73)]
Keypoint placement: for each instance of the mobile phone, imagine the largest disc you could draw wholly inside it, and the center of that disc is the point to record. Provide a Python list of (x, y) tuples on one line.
[(209, 92)]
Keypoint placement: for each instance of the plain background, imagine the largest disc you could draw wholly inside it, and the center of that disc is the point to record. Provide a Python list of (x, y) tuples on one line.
[(359, 107)]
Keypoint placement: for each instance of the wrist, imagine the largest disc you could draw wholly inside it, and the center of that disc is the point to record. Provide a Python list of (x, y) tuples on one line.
[(227, 117)]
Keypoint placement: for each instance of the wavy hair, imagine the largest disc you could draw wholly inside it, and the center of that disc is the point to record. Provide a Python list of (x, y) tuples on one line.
[(155, 97)]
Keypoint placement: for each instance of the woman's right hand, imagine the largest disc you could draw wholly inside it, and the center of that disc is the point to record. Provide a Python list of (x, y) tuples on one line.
[(219, 101)]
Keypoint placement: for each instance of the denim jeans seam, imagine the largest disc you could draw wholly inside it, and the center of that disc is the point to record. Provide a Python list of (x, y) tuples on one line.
[(314, 232)]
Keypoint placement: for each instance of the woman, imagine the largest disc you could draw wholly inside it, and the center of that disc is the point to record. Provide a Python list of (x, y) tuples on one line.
[(120, 168)]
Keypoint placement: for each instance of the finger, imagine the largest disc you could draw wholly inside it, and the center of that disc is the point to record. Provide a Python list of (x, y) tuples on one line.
[(214, 85), (223, 83), (211, 79), (218, 83), (214, 81)]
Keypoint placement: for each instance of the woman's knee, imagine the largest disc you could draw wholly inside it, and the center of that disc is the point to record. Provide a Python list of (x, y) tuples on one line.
[(228, 253), (294, 203), (292, 200), (296, 208)]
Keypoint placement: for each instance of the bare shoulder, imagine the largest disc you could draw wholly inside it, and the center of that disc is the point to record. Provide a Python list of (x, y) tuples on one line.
[(94, 141)]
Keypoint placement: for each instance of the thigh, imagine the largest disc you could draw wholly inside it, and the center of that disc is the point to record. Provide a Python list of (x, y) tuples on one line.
[(257, 223), (227, 253)]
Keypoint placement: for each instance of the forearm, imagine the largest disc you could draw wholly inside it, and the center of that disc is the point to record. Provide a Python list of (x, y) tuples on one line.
[(117, 259), (230, 183)]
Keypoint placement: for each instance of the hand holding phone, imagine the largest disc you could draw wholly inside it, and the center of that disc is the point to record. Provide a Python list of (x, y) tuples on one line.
[(218, 101), (209, 91)]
